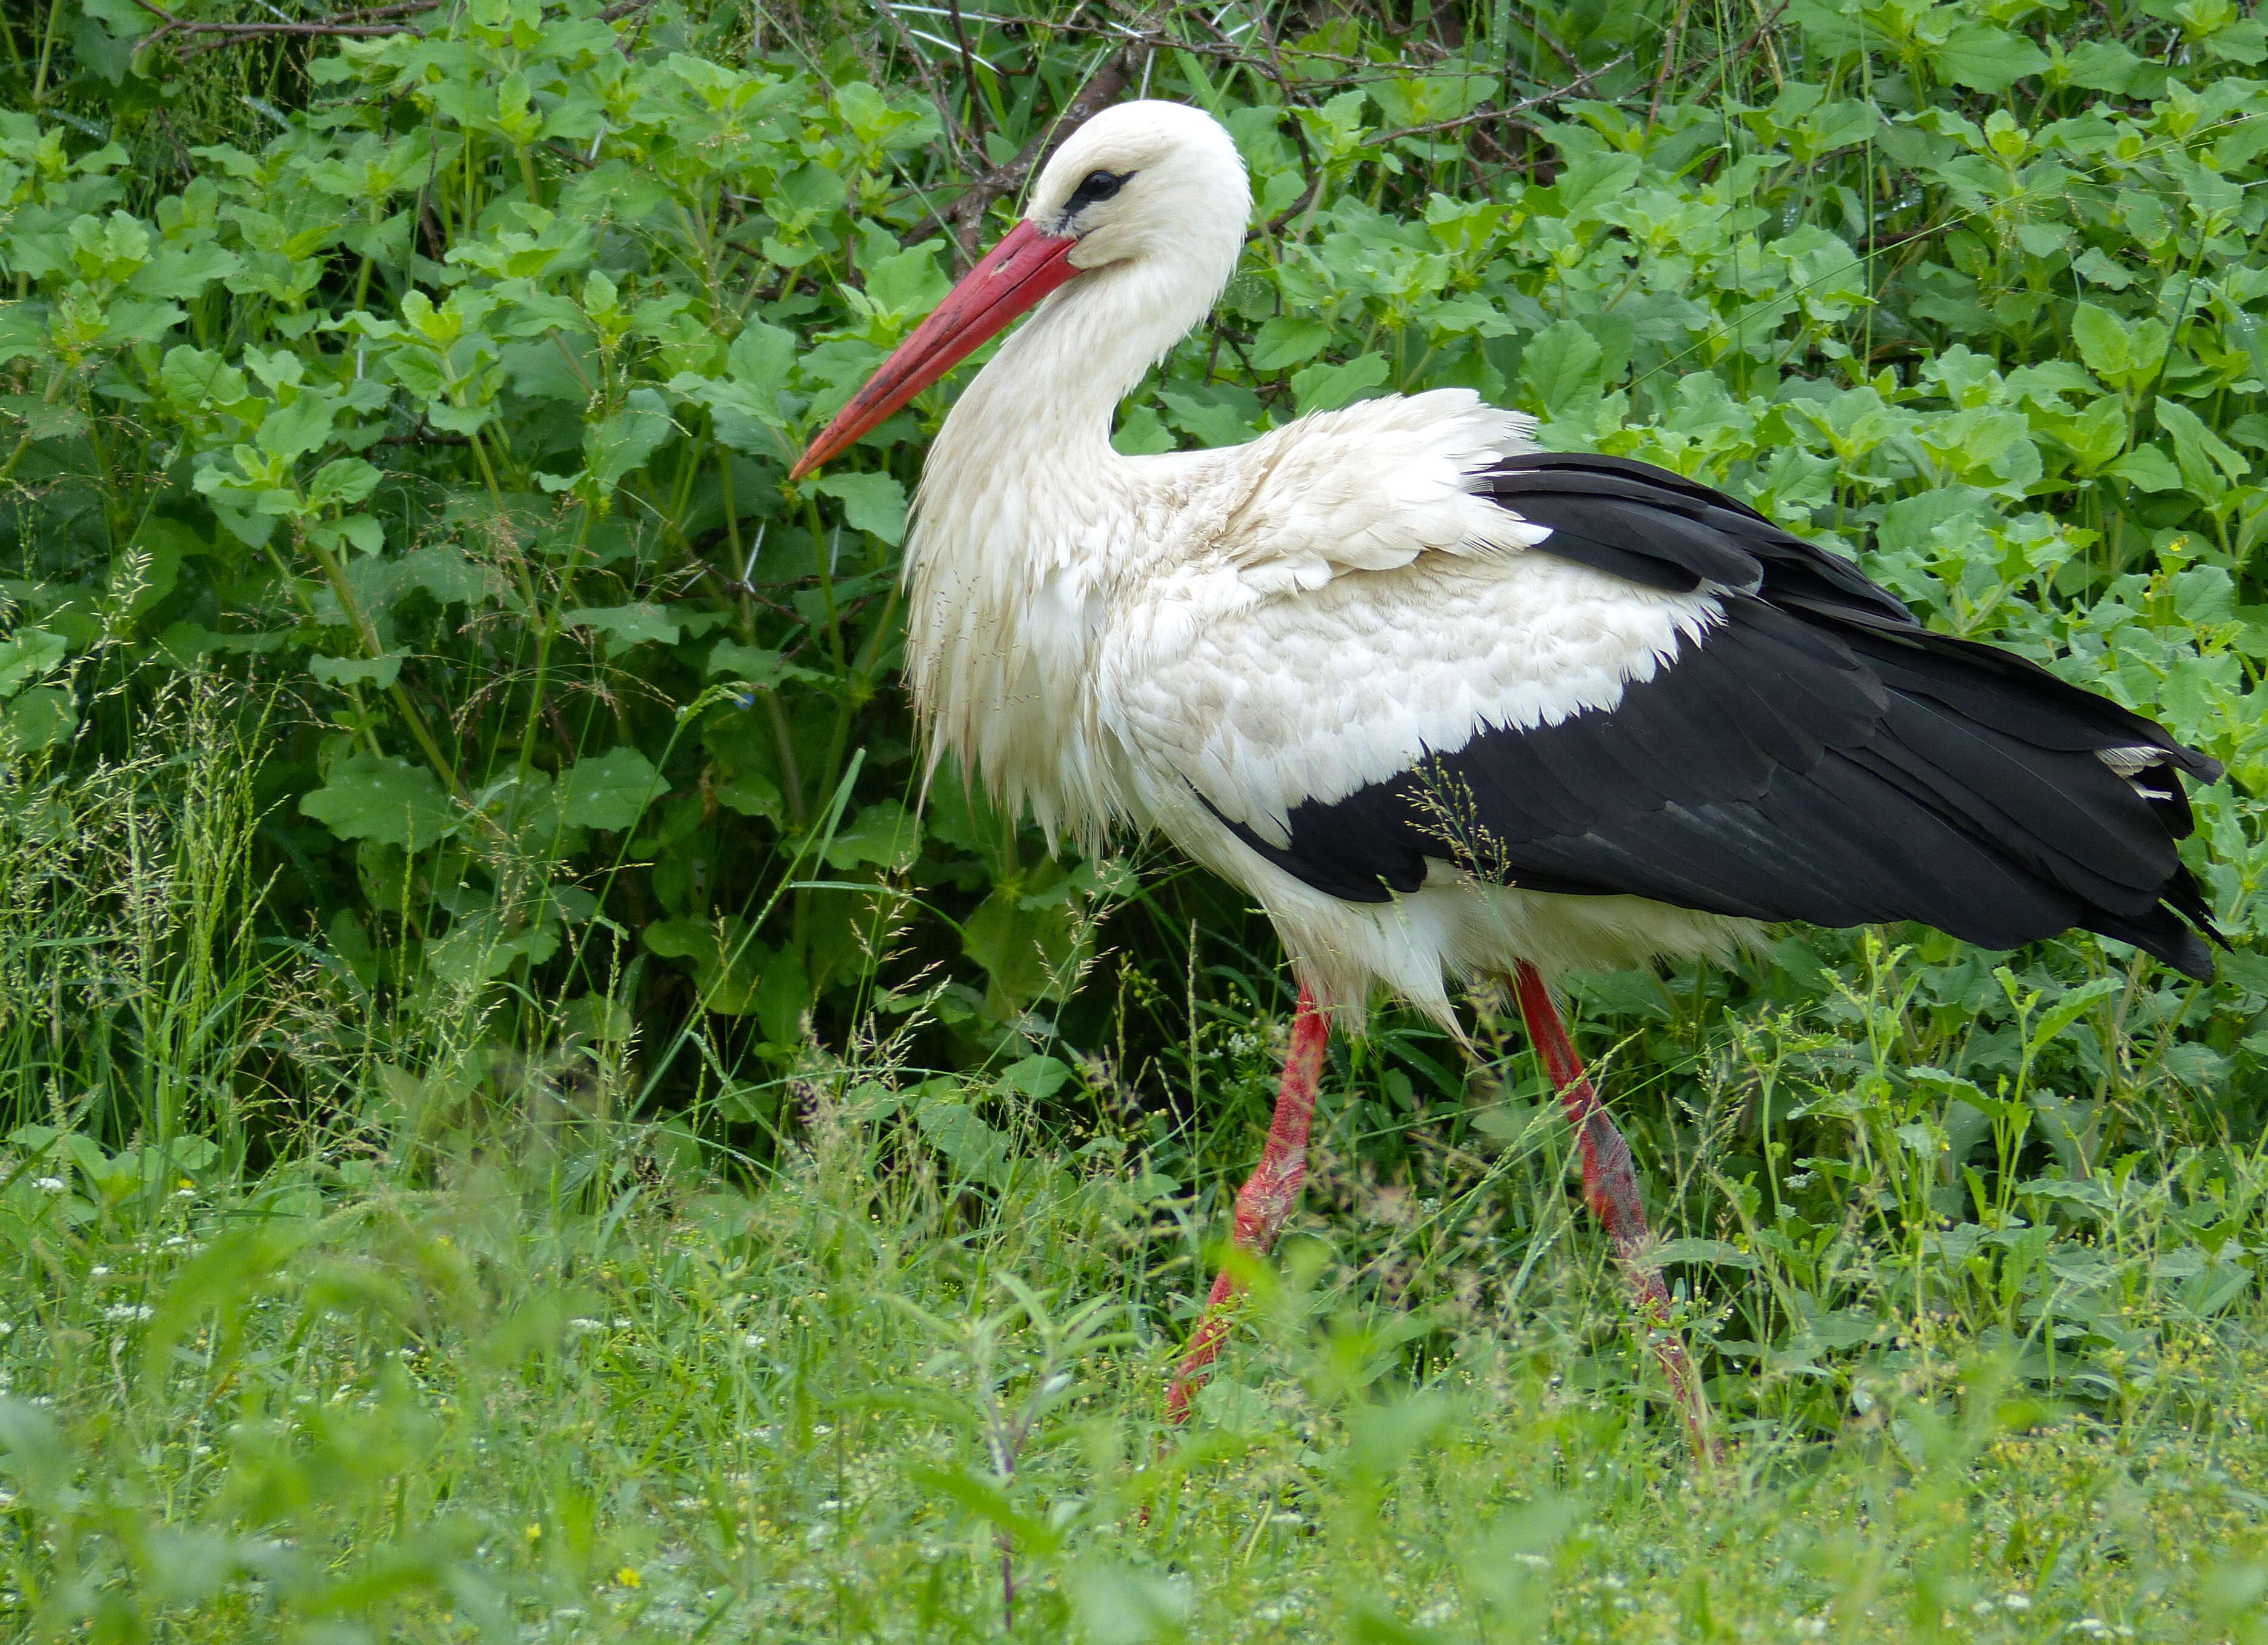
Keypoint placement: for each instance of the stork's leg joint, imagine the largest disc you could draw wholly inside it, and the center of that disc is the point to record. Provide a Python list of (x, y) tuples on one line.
[(1610, 1189), (1266, 1200)]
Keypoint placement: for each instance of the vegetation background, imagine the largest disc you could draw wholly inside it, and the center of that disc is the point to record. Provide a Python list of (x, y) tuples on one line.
[(522, 1123)]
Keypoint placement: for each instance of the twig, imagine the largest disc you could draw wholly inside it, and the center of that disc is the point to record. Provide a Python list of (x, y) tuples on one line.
[(968, 74), (1535, 27), (221, 33), (1668, 61), (954, 139), (1581, 82), (1766, 21), (966, 215), (1312, 178)]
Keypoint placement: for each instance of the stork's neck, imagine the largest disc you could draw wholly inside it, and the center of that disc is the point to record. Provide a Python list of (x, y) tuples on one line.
[(1038, 417), (1021, 537)]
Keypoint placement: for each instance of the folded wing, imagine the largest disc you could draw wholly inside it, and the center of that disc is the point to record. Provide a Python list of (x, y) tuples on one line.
[(1793, 746)]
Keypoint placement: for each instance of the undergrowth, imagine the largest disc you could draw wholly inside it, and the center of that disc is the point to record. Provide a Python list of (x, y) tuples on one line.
[(523, 1119)]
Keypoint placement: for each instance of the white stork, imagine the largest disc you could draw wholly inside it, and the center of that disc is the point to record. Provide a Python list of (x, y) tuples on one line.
[(1448, 706)]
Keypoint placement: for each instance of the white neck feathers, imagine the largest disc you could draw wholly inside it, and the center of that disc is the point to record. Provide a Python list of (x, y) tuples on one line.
[(1023, 517)]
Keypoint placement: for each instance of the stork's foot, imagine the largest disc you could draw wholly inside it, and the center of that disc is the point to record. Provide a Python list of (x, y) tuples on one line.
[(1266, 1198), (1610, 1189)]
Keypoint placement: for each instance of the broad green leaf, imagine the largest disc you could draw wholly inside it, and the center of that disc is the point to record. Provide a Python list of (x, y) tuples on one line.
[(1987, 59), (2209, 466), (2149, 468), (758, 667), (1219, 413), (342, 483), (729, 964), (24, 330), (2073, 1005), (909, 284), (1718, 1253), (291, 431), (1561, 366), (619, 444), (1327, 387), (625, 626), (381, 672), (885, 833), (750, 795), (1037, 1078), (182, 272), (2099, 436), (2102, 65), (385, 800), (871, 502), (2102, 340), (781, 996), (1287, 340), (27, 655), (1592, 181), (1117, 1604), (38, 719), (607, 790)]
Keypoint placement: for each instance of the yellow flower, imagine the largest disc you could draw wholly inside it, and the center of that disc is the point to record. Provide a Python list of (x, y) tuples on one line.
[(627, 1577), (534, 1532)]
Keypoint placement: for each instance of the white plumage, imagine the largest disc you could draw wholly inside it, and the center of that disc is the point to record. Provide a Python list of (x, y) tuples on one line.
[(1446, 706), (1111, 637), (1266, 652)]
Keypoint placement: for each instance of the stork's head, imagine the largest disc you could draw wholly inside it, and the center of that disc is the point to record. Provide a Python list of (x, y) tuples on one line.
[(1149, 193), (1144, 180)]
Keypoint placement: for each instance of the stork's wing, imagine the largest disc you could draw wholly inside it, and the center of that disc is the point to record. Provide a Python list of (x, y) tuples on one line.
[(1801, 750), (1663, 531)]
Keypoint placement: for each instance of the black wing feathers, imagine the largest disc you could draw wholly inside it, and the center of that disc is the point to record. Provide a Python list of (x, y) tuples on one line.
[(1817, 756), (1683, 533)]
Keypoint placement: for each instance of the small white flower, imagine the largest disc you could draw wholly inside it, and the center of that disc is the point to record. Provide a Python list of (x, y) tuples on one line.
[(128, 1311), (2016, 1601), (586, 1326), (97, 1270), (50, 1185), (754, 1339)]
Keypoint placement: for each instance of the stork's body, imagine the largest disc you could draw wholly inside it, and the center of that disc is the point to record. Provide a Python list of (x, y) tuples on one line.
[(1445, 706)]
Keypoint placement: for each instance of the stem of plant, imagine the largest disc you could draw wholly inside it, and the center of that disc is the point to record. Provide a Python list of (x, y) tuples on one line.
[(420, 732)]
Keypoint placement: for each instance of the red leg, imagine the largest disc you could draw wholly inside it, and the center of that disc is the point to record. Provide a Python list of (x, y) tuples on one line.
[(1267, 1197), (1610, 1189)]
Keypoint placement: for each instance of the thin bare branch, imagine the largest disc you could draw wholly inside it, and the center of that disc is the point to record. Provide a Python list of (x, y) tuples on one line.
[(966, 214), (222, 34), (1573, 88), (969, 74)]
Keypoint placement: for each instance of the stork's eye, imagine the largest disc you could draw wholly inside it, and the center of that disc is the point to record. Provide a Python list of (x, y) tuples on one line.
[(1095, 186)]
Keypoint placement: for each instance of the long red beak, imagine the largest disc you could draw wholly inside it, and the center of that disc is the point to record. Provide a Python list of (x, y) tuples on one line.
[(1016, 274)]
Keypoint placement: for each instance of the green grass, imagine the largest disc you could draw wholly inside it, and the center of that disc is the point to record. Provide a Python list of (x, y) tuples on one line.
[(465, 1178), (455, 1366), (474, 1406)]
